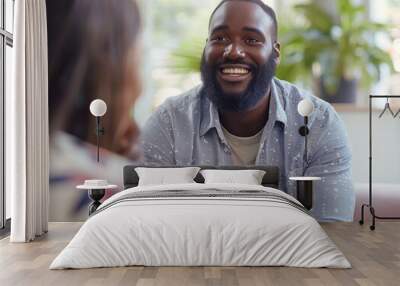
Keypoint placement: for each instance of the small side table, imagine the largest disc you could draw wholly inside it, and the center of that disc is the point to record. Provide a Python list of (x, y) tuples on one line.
[(305, 190), (96, 190)]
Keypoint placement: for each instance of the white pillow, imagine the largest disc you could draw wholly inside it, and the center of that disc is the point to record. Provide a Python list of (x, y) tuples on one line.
[(247, 177), (165, 176)]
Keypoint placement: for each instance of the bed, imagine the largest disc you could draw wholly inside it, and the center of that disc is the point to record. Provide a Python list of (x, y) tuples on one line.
[(201, 224)]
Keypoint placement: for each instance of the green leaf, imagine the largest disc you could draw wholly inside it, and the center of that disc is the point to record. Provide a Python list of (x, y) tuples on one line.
[(318, 18)]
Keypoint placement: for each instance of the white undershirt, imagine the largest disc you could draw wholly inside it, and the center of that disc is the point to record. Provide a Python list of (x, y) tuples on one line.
[(244, 149)]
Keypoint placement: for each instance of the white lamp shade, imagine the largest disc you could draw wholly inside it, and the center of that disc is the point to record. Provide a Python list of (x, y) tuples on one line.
[(98, 107), (305, 107)]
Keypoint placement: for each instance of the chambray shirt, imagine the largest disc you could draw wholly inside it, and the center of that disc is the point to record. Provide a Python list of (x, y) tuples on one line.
[(186, 130)]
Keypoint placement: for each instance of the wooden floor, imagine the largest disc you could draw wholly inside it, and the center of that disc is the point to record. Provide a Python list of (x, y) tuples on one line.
[(375, 257)]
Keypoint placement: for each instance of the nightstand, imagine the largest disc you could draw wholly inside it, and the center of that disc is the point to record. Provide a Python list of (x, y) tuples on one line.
[(96, 190)]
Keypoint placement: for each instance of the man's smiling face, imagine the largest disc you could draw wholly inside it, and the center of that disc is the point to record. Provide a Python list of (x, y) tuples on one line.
[(241, 54)]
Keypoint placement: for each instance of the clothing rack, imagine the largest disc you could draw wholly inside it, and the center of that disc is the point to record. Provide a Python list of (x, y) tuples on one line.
[(370, 204)]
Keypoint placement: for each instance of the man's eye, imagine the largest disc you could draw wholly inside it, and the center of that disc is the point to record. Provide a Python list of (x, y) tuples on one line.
[(252, 41), (219, 39)]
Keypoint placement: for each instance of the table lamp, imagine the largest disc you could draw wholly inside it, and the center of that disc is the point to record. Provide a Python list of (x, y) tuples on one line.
[(305, 184), (96, 188), (305, 108), (98, 108)]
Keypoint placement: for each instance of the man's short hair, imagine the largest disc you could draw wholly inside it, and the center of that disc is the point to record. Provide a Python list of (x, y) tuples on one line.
[(270, 12)]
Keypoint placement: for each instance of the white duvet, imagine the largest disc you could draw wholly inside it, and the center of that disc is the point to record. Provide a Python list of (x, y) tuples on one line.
[(205, 231)]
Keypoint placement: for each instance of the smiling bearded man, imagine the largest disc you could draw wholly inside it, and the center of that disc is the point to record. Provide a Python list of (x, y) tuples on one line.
[(242, 115)]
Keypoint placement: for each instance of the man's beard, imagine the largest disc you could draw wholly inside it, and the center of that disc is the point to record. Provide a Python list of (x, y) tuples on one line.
[(246, 100)]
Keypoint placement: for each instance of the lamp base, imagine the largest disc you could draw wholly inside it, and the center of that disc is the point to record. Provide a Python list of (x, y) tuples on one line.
[(305, 193), (305, 190), (95, 195)]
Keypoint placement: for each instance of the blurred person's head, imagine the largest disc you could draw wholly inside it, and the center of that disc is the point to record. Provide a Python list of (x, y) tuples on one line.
[(241, 54), (96, 56)]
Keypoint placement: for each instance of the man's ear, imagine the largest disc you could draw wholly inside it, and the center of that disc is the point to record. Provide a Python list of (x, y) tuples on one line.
[(277, 51)]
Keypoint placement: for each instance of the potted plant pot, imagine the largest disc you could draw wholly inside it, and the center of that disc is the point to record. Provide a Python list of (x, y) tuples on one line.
[(346, 92)]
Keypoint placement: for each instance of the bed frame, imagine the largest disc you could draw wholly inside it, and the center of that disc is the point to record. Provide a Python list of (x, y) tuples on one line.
[(270, 179)]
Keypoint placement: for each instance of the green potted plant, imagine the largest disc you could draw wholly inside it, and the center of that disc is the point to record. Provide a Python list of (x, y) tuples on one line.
[(336, 53)]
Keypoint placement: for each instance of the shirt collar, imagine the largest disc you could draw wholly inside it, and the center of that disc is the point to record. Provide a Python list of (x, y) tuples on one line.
[(277, 106), (210, 117)]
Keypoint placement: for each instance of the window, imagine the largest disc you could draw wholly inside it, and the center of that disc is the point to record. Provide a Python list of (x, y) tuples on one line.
[(6, 65), (387, 11)]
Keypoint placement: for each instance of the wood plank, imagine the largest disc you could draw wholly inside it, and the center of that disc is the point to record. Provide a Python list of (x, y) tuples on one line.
[(375, 257)]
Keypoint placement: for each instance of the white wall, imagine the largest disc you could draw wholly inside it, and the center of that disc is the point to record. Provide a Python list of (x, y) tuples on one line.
[(386, 146)]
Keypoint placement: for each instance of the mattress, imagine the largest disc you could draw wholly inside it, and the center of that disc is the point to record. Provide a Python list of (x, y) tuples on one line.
[(201, 225)]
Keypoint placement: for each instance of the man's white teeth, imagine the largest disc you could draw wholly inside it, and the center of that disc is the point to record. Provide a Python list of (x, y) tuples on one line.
[(235, 71)]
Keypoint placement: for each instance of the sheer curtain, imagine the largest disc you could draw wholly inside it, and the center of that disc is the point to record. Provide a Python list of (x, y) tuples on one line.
[(27, 139)]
